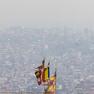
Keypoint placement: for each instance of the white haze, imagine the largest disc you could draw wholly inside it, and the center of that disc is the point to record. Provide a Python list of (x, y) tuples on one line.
[(46, 12)]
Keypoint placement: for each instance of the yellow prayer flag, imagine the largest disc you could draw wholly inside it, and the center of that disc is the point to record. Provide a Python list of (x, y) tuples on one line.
[(52, 85)]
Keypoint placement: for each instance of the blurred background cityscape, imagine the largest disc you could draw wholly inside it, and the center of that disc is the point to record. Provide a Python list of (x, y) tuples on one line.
[(22, 50)]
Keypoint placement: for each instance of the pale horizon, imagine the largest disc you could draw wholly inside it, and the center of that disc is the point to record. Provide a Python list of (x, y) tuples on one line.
[(46, 12)]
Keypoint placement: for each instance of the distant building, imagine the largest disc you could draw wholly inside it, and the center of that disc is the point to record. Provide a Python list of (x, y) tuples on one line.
[(85, 87)]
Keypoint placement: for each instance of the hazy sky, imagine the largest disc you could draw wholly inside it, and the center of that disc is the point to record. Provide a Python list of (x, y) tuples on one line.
[(28, 12)]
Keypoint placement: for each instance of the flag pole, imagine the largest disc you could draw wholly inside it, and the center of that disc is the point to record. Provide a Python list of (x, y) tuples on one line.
[(55, 76), (43, 70)]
